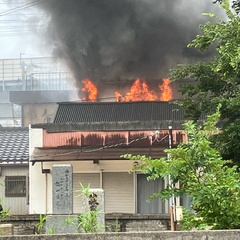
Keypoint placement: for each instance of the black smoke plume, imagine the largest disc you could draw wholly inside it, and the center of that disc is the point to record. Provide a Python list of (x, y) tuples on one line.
[(111, 40)]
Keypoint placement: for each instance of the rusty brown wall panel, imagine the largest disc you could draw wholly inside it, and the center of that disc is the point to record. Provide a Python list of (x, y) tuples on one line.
[(93, 139), (141, 140), (114, 138), (80, 139)]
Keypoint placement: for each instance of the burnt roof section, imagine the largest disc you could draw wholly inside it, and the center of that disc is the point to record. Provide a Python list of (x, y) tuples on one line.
[(117, 112), (14, 144)]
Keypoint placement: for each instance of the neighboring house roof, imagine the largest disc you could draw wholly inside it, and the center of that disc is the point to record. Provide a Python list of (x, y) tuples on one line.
[(14, 144), (117, 112)]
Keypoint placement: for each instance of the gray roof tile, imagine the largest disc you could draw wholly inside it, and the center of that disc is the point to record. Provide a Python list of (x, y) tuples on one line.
[(14, 144)]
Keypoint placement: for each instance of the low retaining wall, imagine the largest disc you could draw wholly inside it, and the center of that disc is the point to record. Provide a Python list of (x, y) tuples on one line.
[(27, 224), (23, 224), (137, 222), (164, 235)]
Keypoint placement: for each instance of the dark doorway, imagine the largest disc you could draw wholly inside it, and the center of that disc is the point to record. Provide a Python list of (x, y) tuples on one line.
[(145, 189)]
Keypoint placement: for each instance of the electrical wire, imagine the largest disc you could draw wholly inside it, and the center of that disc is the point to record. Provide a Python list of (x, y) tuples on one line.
[(21, 27), (22, 7)]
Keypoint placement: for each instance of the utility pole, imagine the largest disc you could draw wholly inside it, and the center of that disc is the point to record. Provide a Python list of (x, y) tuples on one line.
[(22, 66), (3, 75)]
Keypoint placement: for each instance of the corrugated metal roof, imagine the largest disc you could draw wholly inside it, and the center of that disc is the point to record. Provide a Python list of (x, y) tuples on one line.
[(14, 144), (77, 154), (117, 112)]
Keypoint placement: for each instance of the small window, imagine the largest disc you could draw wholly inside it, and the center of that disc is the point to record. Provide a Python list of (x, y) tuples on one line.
[(15, 186)]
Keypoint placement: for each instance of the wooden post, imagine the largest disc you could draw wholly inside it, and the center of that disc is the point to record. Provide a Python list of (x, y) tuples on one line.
[(171, 219)]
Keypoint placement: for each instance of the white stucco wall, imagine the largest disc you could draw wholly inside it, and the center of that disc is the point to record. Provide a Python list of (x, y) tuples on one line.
[(36, 183)]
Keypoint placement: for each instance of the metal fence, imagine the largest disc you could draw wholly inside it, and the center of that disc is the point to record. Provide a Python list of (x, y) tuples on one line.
[(29, 74)]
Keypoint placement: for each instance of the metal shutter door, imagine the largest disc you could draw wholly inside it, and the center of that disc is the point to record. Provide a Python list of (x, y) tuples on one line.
[(85, 179), (119, 192)]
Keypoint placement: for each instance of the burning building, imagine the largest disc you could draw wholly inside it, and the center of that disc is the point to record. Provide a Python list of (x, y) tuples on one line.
[(120, 53), (92, 137)]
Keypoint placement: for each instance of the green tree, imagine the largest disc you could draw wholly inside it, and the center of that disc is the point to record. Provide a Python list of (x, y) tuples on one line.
[(217, 81), (204, 176), (235, 5)]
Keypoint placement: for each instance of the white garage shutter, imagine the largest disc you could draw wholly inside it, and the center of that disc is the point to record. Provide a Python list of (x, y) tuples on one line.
[(85, 179), (118, 188)]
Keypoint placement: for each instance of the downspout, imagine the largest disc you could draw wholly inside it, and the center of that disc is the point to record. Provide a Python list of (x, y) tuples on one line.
[(101, 178), (45, 171), (46, 193)]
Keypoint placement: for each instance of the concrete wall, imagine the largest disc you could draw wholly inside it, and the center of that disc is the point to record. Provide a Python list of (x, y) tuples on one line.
[(36, 185), (164, 235), (137, 222), (27, 224), (37, 113)]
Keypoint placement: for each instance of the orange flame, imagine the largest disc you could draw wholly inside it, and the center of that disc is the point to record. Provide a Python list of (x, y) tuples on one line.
[(140, 92), (90, 89), (166, 90)]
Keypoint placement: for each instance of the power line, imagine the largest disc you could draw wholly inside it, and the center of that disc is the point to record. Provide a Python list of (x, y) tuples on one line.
[(22, 32), (22, 7), (11, 3), (20, 29)]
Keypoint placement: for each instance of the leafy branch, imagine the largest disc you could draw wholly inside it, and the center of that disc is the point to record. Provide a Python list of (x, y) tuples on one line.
[(213, 186)]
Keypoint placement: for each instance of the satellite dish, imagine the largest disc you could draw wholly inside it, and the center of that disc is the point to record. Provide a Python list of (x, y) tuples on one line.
[(29, 70)]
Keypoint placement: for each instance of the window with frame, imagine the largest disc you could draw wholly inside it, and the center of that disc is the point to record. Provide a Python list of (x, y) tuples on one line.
[(15, 186)]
